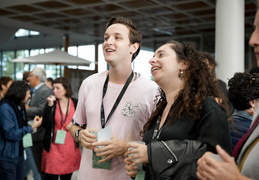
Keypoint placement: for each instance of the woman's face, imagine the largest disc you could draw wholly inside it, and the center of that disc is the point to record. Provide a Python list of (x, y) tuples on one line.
[(27, 97), (165, 66), (59, 90)]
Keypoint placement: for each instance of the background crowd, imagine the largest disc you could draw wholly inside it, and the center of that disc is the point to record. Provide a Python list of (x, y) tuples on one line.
[(191, 122)]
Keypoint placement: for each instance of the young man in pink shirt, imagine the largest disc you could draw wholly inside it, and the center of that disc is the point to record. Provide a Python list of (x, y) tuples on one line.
[(97, 106)]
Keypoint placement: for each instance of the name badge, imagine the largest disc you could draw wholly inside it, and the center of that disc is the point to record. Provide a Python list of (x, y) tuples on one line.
[(60, 137), (27, 140), (140, 175), (96, 165)]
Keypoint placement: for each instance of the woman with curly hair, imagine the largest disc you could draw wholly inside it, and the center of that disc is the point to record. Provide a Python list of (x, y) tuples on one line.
[(187, 121), (243, 92)]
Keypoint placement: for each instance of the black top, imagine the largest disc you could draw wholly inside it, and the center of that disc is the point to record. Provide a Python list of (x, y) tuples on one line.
[(212, 128)]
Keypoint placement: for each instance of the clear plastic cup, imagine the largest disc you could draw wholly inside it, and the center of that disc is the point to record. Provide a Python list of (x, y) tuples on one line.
[(139, 142)]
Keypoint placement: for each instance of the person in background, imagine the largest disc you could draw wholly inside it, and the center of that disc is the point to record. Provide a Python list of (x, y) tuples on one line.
[(13, 126), (25, 75), (97, 97), (254, 70), (243, 93), (187, 121), (49, 82), (245, 165), (210, 61), (30, 164), (59, 158), (40, 93), (5, 83)]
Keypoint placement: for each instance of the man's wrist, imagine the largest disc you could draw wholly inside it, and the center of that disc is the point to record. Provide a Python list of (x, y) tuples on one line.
[(77, 135)]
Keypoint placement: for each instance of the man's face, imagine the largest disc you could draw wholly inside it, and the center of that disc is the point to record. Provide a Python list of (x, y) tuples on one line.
[(254, 39), (32, 79), (117, 46)]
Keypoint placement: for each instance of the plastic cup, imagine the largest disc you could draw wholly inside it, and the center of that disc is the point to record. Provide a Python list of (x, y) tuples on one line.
[(139, 142)]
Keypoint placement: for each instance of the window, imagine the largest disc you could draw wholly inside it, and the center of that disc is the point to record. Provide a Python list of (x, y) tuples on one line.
[(7, 66), (24, 32)]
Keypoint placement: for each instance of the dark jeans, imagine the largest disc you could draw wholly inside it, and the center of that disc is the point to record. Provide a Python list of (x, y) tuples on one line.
[(55, 177), (11, 170), (30, 165), (37, 149)]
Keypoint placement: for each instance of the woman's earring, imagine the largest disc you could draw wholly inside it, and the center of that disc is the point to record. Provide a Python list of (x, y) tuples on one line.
[(181, 74)]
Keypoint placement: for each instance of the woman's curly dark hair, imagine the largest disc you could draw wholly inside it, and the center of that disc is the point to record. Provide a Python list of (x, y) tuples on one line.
[(199, 83), (243, 87)]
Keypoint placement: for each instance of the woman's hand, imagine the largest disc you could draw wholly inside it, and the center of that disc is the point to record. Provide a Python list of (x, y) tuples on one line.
[(136, 154), (36, 122), (51, 100), (131, 169)]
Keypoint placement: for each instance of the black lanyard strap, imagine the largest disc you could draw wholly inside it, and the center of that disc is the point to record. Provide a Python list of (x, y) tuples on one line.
[(105, 87), (63, 120), (157, 131)]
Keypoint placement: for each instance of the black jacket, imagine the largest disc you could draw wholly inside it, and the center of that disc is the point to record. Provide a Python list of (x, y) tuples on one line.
[(48, 123), (178, 160)]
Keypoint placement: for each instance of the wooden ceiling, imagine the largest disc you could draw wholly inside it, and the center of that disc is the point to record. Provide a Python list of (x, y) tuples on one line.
[(84, 20)]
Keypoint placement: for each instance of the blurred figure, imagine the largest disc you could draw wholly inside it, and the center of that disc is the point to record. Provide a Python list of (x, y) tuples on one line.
[(187, 121), (210, 61), (30, 164), (25, 75), (254, 70), (243, 92), (246, 151), (40, 93), (5, 83), (49, 82), (13, 126), (61, 154)]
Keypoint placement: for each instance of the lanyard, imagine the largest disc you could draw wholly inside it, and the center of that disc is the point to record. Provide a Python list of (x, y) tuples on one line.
[(157, 131), (105, 87), (60, 111)]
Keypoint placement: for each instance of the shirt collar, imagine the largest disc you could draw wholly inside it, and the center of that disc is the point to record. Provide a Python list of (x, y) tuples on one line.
[(37, 87)]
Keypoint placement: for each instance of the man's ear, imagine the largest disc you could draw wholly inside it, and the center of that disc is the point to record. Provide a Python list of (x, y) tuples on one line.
[(134, 48), (37, 77)]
